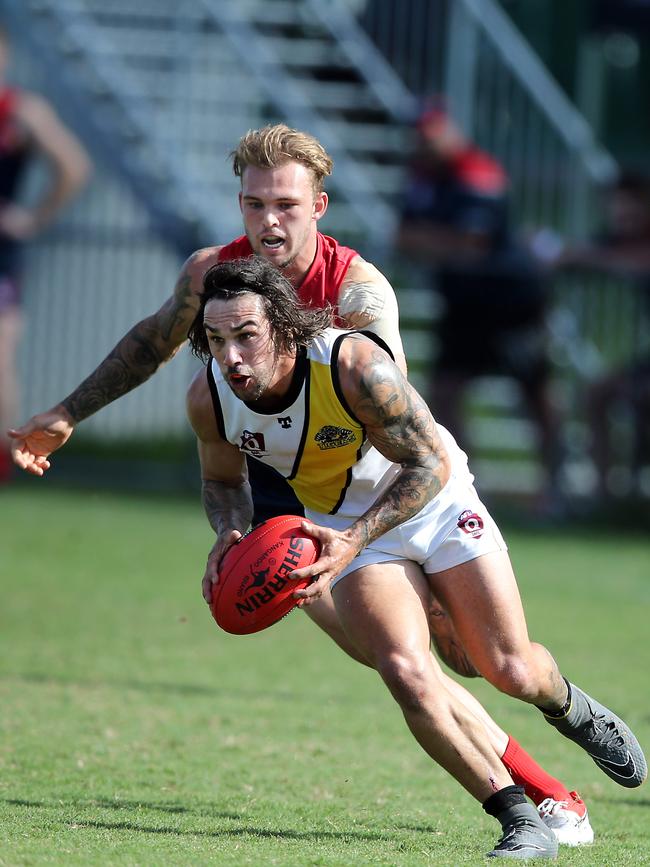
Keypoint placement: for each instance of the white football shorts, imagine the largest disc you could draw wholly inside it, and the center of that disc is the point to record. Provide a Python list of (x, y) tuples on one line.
[(454, 528)]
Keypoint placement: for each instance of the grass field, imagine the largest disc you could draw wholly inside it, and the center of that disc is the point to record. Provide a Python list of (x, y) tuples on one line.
[(133, 732)]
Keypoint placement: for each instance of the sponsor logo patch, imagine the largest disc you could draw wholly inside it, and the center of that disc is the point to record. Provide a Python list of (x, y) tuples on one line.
[(330, 437), (253, 443), (471, 523)]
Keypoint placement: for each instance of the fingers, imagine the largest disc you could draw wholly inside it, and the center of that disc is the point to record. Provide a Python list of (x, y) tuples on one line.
[(313, 591), (320, 533), (211, 576), (36, 469), (329, 564), (30, 453), (313, 571), (20, 459), (19, 433), (206, 588), (26, 460)]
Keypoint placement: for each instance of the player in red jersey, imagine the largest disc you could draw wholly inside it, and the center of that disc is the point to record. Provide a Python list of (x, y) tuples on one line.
[(282, 201)]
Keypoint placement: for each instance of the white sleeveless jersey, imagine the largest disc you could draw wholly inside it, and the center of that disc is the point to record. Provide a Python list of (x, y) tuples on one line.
[(313, 440)]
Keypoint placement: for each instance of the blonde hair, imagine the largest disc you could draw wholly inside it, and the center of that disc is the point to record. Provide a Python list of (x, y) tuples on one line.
[(274, 145)]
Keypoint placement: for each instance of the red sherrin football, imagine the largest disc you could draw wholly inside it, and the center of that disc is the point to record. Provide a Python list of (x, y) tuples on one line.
[(253, 590)]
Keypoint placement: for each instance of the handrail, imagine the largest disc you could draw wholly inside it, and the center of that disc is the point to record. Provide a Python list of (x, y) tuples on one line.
[(378, 74), (351, 179), (547, 95)]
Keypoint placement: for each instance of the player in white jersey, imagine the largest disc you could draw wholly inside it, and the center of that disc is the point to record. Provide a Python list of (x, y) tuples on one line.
[(250, 323), (314, 441), (264, 379)]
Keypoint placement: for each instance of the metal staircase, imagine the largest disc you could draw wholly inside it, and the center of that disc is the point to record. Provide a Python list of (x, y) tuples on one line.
[(165, 88)]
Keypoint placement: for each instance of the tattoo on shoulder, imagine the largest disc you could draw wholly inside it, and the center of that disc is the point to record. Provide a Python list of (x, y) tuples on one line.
[(359, 286), (361, 302)]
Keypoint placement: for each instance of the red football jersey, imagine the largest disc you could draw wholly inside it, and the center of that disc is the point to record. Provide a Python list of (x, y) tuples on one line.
[(321, 284)]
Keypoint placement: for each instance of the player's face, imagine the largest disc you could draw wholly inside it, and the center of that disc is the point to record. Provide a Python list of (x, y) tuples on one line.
[(281, 211), (239, 335)]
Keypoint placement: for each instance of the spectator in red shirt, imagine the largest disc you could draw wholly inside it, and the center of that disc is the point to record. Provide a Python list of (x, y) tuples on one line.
[(455, 220)]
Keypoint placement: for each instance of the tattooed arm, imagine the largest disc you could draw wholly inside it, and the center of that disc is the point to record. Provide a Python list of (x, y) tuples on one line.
[(225, 490), (137, 356), (398, 424), (367, 302)]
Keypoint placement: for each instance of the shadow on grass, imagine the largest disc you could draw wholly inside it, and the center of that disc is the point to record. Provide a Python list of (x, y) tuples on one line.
[(147, 686), (121, 804), (130, 826), (244, 831), (629, 802)]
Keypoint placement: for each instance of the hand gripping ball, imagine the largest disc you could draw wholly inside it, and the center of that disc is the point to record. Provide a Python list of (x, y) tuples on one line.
[(254, 590)]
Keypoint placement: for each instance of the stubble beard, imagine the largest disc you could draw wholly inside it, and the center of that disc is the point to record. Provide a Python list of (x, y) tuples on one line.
[(260, 386), (287, 263)]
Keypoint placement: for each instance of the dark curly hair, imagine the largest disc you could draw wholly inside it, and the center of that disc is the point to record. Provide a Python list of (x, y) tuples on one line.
[(293, 323)]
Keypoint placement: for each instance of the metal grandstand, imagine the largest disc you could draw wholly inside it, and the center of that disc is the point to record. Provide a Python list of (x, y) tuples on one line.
[(161, 91)]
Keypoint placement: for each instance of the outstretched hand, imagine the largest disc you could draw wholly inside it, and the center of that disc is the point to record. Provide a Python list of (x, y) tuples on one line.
[(337, 550), (34, 442)]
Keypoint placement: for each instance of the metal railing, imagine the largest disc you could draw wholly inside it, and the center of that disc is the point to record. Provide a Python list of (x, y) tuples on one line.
[(105, 263), (502, 96)]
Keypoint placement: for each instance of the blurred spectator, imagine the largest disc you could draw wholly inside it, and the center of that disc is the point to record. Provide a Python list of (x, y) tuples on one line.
[(455, 220), (29, 129), (622, 249)]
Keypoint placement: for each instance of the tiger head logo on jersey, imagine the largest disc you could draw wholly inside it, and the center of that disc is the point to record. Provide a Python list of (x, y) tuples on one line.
[(330, 437), (253, 444), (471, 523)]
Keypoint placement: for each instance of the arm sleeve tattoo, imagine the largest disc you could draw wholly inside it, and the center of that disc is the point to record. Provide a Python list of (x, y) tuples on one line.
[(137, 356), (227, 507)]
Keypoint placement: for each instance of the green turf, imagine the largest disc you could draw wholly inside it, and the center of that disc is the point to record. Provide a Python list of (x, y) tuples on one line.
[(133, 732)]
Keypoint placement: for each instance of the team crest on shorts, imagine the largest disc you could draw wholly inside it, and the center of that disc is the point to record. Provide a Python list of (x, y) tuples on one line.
[(330, 437), (471, 523)]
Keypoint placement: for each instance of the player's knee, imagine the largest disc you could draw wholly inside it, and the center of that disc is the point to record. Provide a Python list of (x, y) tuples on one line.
[(512, 675), (407, 677)]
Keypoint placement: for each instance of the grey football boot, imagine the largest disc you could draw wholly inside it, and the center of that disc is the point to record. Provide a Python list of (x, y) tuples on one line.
[(605, 737), (524, 835)]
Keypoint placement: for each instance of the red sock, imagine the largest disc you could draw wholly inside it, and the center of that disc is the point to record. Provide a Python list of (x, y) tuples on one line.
[(525, 772)]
